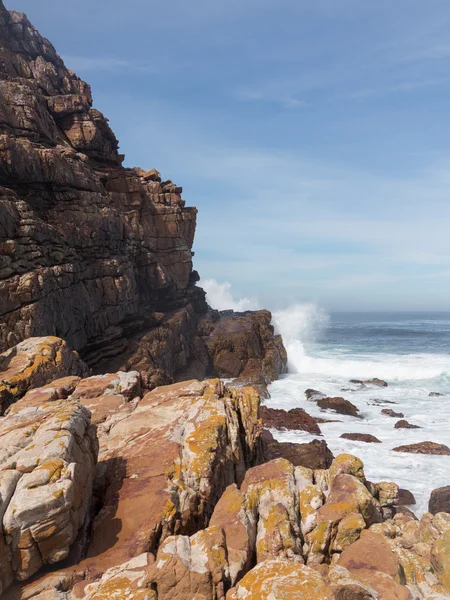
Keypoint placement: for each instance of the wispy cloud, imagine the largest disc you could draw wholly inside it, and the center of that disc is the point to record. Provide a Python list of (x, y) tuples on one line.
[(99, 63)]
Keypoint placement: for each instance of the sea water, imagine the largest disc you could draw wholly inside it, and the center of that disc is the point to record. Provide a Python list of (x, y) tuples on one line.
[(411, 351)]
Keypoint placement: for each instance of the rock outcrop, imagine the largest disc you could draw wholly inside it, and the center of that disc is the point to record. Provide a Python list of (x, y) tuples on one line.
[(339, 405), (361, 437), (93, 252), (440, 500), (425, 448), (295, 419)]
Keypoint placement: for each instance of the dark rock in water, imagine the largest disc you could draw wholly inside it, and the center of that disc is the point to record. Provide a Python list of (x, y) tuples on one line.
[(374, 381), (381, 402), (361, 437), (405, 425), (313, 455), (405, 497), (435, 394), (391, 413), (294, 419), (439, 500), (339, 405), (314, 395), (425, 448)]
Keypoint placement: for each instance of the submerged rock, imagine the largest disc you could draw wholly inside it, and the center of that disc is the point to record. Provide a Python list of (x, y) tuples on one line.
[(402, 424), (424, 448), (339, 405), (314, 395), (391, 413), (361, 437), (375, 381)]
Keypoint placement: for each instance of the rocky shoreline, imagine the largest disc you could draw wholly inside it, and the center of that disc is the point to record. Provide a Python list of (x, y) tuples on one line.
[(128, 468)]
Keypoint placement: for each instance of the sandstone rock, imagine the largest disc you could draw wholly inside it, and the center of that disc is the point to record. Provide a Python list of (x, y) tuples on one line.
[(312, 455), (361, 437), (339, 405), (348, 465), (440, 560), (375, 381), (424, 448), (165, 464), (439, 500), (243, 345), (47, 464), (391, 413), (402, 424), (283, 580), (34, 363), (373, 563), (294, 419)]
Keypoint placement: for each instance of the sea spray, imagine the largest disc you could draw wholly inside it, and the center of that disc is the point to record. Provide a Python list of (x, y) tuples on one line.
[(297, 325), (219, 296)]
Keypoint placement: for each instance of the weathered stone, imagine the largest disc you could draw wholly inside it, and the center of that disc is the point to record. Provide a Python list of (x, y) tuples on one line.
[(281, 580), (294, 419), (439, 500), (47, 465), (391, 413), (34, 363), (424, 448), (339, 405), (361, 437), (312, 455), (402, 424)]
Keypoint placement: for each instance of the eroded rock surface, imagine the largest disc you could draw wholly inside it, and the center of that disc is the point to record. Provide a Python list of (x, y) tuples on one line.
[(294, 419)]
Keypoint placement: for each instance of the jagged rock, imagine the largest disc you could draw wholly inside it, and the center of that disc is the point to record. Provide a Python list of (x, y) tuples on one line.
[(165, 463), (294, 419), (424, 448), (391, 413), (243, 345), (283, 580), (312, 455), (47, 463), (361, 437), (402, 424), (339, 405), (439, 500), (33, 363)]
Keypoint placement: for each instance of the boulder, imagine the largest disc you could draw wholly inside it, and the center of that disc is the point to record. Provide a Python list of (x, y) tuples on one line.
[(361, 437), (391, 413), (312, 455), (244, 346), (339, 405), (435, 394), (439, 500), (47, 466), (34, 363), (402, 424), (424, 448), (406, 498), (282, 580), (294, 419)]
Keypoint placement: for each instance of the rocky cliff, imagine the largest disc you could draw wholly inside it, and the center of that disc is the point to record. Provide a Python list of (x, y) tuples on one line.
[(90, 251)]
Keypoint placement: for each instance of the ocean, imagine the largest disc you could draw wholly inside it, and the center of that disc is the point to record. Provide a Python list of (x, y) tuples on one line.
[(410, 350)]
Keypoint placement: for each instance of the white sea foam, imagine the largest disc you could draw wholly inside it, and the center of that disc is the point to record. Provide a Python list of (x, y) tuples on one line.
[(219, 296)]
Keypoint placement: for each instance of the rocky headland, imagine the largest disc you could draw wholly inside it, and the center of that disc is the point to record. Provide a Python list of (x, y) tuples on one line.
[(128, 468)]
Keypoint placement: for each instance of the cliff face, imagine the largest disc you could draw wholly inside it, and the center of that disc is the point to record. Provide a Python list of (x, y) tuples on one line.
[(86, 244)]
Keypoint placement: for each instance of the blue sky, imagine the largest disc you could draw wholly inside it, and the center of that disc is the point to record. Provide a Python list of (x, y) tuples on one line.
[(313, 136)]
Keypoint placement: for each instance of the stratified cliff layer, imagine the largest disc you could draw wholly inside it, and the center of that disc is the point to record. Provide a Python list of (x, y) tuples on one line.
[(86, 244)]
